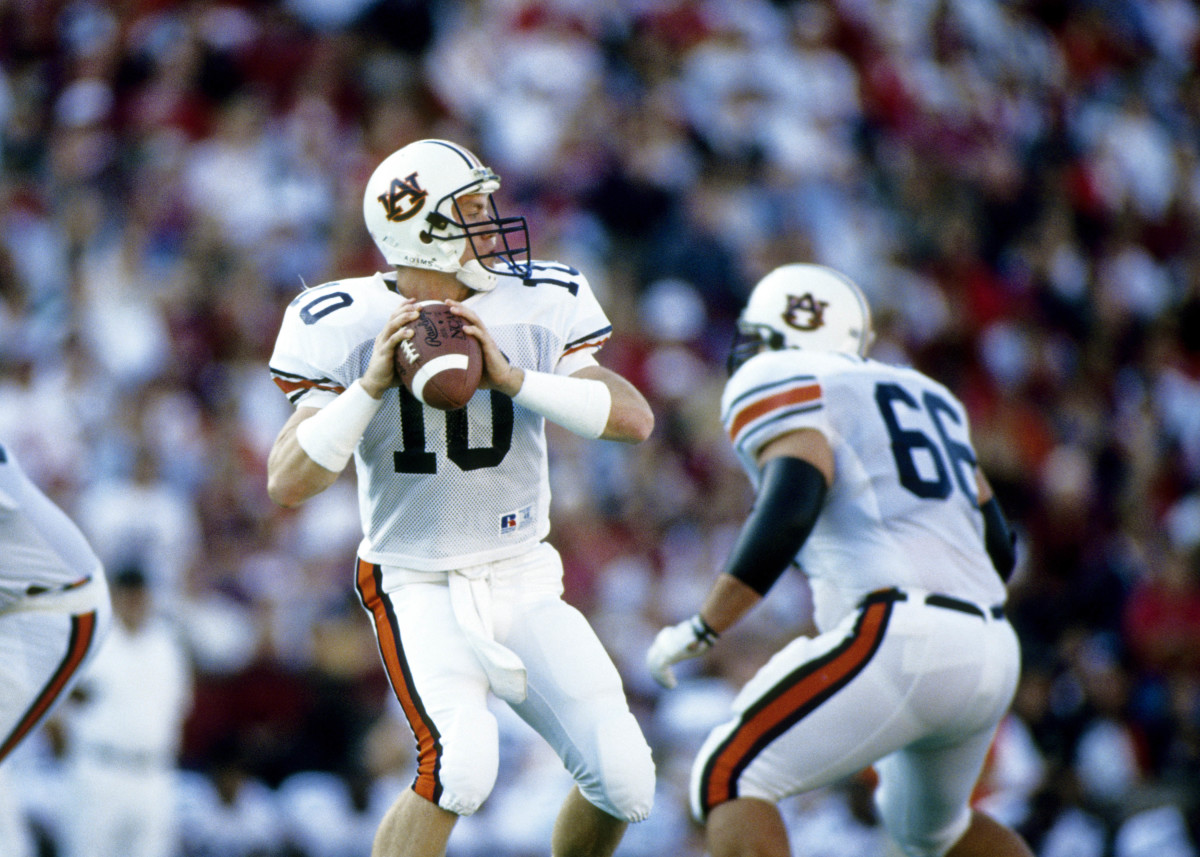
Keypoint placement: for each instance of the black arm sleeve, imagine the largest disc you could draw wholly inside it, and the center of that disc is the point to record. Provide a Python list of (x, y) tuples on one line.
[(1000, 541), (789, 500)]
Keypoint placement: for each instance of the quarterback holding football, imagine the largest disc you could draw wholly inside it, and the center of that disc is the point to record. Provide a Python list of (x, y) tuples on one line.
[(463, 591)]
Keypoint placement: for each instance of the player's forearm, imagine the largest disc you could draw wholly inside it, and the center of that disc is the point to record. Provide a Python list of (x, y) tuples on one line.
[(293, 477), (630, 419), (727, 602), (298, 468), (593, 402)]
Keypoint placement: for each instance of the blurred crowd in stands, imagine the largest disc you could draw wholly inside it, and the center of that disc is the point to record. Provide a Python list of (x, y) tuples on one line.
[(1014, 183)]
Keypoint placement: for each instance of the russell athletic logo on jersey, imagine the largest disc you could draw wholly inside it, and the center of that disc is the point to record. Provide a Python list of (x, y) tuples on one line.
[(512, 522), (805, 312), (405, 197)]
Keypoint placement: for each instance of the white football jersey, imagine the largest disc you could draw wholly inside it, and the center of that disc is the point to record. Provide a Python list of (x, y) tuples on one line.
[(903, 508), (40, 547), (445, 489)]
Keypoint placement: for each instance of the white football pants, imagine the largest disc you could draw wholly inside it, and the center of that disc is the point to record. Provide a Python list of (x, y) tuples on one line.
[(448, 638)]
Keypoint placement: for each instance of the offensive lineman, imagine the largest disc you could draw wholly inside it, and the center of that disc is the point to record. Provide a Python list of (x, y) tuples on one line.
[(866, 479), (464, 593)]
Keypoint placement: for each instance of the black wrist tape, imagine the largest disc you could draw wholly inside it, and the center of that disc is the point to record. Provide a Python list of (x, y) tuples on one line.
[(703, 631)]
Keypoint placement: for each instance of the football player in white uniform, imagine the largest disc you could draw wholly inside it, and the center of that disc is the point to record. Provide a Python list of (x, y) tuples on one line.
[(464, 593), (54, 604), (866, 479), (54, 613)]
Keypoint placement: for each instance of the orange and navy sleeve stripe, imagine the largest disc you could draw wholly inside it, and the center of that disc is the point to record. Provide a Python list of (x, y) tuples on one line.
[(594, 340), (790, 701), (428, 783), (766, 404), (295, 386), (83, 637)]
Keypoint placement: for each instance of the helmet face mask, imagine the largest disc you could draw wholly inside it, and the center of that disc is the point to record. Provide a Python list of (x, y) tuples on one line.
[(411, 232), (750, 339), (510, 253), (807, 307)]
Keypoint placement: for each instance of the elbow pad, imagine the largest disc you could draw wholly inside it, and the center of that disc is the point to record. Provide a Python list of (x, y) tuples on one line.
[(789, 500), (1000, 541)]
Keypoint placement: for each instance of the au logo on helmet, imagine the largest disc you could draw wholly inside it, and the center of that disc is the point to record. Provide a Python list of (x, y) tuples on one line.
[(806, 303), (404, 198)]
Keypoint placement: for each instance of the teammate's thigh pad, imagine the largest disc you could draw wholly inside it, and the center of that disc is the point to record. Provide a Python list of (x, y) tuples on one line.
[(925, 842), (924, 795)]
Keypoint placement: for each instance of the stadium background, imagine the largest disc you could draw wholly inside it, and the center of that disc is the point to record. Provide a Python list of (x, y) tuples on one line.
[(1015, 184)]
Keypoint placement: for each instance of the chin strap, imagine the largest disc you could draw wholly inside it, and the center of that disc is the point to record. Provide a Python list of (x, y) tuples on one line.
[(474, 276)]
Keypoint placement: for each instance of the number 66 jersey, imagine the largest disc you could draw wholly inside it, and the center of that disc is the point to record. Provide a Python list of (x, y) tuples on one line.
[(904, 485), (440, 490)]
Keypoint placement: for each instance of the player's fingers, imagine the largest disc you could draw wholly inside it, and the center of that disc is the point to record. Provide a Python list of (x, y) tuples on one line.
[(463, 310), (398, 327), (404, 312), (480, 333), (474, 325), (404, 320), (390, 344), (665, 676), (388, 338)]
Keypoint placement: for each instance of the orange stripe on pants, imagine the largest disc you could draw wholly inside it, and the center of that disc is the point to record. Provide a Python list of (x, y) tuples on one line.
[(429, 747), (83, 632), (788, 702)]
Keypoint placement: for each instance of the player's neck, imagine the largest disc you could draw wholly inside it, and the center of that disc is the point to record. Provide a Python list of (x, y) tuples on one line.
[(425, 285)]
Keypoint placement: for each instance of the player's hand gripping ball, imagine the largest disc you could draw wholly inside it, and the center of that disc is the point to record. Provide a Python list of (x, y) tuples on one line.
[(441, 365)]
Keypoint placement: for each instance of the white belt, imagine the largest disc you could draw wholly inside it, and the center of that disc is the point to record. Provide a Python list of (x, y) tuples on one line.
[(83, 596), (471, 599)]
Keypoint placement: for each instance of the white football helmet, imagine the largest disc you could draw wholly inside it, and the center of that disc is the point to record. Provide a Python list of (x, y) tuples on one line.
[(810, 307), (411, 210)]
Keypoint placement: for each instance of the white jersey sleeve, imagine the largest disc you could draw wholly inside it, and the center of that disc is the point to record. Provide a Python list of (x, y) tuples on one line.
[(40, 547), (585, 325), (326, 338), (902, 509), (445, 489)]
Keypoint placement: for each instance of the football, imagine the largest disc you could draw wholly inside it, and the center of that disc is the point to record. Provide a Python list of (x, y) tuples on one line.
[(441, 365)]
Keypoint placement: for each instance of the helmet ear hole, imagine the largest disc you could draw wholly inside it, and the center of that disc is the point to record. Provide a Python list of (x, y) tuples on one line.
[(437, 221)]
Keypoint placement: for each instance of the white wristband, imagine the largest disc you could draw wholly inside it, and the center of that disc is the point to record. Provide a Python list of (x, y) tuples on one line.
[(330, 435), (580, 405)]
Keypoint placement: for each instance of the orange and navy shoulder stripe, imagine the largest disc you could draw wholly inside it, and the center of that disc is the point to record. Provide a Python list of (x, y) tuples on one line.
[(765, 404), (594, 340), (792, 699), (83, 637), (295, 386), (428, 783)]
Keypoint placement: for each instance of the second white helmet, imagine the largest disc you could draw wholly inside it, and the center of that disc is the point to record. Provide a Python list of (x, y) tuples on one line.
[(804, 306), (411, 210)]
